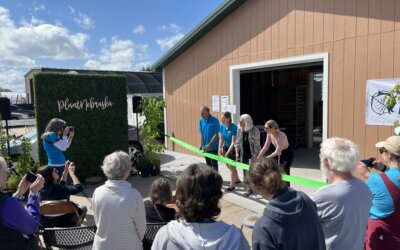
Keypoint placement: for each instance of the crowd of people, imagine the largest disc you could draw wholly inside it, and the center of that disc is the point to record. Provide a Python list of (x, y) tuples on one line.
[(348, 213)]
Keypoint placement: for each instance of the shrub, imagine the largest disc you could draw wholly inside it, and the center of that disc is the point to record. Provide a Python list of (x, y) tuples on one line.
[(99, 129), (153, 111)]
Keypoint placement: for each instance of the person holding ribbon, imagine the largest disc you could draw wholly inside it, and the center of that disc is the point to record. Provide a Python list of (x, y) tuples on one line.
[(209, 128), (227, 139), (283, 153), (247, 145)]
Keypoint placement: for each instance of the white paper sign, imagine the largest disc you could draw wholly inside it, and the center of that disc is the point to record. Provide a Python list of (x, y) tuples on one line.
[(232, 109), (377, 112), (224, 103), (215, 103)]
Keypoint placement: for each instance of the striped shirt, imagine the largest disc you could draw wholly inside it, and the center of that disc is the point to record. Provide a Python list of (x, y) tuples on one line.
[(119, 215)]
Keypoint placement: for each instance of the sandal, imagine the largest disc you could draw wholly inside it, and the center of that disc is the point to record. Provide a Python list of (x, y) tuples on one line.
[(248, 193), (229, 189)]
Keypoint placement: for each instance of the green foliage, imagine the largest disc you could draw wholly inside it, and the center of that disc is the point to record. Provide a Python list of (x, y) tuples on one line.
[(3, 142), (98, 131), (13, 181), (5, 90), (392, 99), (153, 111), (25, 162)]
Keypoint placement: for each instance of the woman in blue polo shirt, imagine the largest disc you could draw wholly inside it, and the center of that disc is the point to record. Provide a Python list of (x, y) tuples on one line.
[(57, 138), (227, 139)]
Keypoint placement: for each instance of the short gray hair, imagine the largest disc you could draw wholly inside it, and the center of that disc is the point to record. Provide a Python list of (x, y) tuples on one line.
[(342, 154), (116, 165)]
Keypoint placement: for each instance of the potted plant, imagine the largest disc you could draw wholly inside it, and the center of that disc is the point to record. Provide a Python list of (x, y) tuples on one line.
[(152, 108), (144, 166)]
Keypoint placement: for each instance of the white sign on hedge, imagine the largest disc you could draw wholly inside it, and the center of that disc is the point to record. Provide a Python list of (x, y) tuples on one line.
[(377, 111), (84, 104)]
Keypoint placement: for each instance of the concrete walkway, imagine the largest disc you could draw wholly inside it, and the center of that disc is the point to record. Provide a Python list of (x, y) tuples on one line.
[(233, 204)]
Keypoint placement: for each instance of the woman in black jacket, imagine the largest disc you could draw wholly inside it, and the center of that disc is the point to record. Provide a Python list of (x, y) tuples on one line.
[(60, 191), (160, 195)]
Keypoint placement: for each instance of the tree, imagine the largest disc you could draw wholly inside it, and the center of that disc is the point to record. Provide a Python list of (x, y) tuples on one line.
[(144, 69), (5, 90)]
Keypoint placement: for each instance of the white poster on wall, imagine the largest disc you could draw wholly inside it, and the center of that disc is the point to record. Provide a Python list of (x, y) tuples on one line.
[(378, 110), (232, 109), (224, 103), (215, 103)]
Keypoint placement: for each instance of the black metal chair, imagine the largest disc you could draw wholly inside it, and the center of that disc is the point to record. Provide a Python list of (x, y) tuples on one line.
[(69, 238), (150, 234)]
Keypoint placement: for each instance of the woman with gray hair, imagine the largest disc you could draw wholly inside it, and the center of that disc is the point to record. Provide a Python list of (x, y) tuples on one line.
[(247, 145), (118, 208)]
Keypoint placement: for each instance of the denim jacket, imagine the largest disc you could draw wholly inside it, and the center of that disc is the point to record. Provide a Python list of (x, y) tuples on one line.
[(254, 141)]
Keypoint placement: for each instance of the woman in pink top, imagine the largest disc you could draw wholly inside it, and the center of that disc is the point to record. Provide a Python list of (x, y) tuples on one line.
[(283, 152)]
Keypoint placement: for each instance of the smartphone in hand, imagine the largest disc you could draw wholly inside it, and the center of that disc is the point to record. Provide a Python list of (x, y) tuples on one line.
[(31, 177)]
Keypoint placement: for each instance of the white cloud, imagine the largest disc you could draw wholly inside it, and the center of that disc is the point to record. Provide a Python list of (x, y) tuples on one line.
[(71, 9), (142, 53), (168, 42), (142, 65), (13, 79), (119, 55), (21, 45), (34, 21), (36, 7), (139, 29), (84, 21), (172, 27)]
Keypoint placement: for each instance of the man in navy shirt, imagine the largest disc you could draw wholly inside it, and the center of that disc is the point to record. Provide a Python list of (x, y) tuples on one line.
[(209, 128)]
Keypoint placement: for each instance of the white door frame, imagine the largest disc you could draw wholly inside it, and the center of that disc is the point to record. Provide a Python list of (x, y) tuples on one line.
[(321, 57)]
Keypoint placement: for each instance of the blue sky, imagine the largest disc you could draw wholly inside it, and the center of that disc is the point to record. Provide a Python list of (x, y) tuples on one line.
[(89, 34)]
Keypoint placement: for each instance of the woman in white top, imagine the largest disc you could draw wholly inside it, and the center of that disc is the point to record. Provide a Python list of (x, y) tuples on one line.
[(118, 208), (283, 152)]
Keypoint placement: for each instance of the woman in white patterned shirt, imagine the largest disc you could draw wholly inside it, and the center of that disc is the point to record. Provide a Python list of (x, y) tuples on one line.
[(118, 208)]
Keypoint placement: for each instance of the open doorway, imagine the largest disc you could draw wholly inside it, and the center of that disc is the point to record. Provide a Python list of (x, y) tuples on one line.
[(291, 95)]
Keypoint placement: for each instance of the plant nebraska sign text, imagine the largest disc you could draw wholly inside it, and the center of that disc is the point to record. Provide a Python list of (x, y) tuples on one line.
[(84, 104)]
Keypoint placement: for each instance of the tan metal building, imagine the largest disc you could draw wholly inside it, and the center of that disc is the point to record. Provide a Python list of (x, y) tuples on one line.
[(304, 63)]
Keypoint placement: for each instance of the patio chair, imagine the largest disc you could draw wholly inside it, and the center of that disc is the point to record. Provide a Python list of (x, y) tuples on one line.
[(150, 234), (50, 209), (69, 238)]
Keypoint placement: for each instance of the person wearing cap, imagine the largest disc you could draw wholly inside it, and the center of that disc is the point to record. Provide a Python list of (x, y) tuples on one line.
[(343, 205), (384, 218), (365, 166)]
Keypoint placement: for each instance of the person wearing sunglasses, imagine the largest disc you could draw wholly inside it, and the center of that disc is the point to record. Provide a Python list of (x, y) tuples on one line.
[(384, 217), (17, 223)]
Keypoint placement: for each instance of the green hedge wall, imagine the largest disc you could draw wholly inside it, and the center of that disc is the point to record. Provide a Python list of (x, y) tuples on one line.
[(98, 131)]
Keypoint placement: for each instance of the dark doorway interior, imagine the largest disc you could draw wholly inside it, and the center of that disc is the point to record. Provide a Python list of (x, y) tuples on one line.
[(284, 94)]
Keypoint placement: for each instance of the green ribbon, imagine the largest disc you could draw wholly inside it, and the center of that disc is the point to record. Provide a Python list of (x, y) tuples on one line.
[(285, 177)]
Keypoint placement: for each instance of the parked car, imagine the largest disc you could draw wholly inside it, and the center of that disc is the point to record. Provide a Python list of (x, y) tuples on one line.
[(16, 145), (135, 146), (18, 113)]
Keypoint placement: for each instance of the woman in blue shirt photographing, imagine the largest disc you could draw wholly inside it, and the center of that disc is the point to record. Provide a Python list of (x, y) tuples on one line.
[(57, 138)]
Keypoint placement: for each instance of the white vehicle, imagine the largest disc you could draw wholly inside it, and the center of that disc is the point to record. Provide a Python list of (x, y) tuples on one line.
[(16, 145)]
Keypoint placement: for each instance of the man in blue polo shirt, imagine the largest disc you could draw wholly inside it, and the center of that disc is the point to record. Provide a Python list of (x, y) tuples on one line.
[(209, 128)]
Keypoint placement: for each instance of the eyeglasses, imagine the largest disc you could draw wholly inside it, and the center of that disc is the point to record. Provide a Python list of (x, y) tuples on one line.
[(266, 128), (382, 150), (55, 170)]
